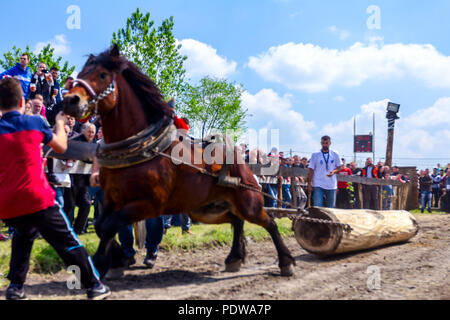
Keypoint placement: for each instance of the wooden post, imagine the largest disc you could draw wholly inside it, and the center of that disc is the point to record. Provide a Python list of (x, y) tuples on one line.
[(361, 199), (405, 190), (139, 233), (394, 199), (280, 191), (380, 197), (294, 193)]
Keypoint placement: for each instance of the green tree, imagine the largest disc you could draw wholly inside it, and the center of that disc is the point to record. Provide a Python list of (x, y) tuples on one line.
[(214, 104), (155, 51), (46, 55)]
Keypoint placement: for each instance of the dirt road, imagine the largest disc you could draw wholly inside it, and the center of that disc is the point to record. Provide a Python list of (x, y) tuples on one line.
[(419, 269)]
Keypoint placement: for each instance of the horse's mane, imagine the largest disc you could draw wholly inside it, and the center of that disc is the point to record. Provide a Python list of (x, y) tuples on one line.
[(145, 89)]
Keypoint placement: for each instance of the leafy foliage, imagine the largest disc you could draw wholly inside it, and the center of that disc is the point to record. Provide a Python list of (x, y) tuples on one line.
[(155, 51), (46, 55), (214, 104)]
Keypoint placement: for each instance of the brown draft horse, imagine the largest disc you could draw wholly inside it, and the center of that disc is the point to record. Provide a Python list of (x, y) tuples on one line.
[(159, 186)]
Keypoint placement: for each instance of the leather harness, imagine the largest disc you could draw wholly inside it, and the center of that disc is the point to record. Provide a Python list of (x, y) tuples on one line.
[(137, 149)]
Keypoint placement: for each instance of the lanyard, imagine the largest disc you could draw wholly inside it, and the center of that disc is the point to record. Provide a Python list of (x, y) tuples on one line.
[(326, 159)]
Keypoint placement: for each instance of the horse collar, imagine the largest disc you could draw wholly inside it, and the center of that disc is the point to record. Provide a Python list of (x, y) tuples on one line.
[(137, 149)]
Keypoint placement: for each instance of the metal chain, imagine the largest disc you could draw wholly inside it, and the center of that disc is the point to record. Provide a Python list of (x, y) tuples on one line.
[(301, 216)]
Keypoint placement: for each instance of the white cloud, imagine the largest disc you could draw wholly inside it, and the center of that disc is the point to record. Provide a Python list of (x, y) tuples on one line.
[(203, 60), (59, 43), (339, 99), (423, 134), (270, 111), (312, 68), (341, 33)]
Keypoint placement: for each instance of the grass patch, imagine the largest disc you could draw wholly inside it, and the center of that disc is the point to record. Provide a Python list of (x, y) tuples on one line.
[(434, 212)]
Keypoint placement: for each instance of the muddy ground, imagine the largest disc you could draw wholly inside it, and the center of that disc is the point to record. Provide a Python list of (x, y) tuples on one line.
[(419, 269)]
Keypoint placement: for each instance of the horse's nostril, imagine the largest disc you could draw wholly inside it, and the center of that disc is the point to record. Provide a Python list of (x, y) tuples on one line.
[(75, 99), (71, 105)]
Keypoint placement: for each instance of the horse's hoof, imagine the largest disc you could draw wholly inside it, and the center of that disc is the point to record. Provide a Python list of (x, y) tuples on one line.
[(114, 274), (234, 266), (287, 271)]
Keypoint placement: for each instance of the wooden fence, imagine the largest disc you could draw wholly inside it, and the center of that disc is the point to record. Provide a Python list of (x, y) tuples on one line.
[(399, 201)]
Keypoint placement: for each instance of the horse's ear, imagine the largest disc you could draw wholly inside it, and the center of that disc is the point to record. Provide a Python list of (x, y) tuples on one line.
[(115, 51), (171, 103), (91, 58)]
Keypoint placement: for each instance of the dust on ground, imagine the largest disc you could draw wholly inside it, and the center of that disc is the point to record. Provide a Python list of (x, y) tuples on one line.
[(418, 269)]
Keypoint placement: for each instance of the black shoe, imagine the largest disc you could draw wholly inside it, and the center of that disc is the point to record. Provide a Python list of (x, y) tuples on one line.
[(98, 292), (15, 292), (150, 260)]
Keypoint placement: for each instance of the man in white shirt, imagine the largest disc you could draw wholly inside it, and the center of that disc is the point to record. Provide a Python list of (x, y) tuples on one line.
[(322, 180)]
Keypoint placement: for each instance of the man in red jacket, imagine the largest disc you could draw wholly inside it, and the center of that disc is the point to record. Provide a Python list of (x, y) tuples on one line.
[(27, 202), (343, 194)]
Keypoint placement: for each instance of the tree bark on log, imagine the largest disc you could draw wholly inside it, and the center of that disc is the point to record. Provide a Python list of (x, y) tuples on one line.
[(371, 229)]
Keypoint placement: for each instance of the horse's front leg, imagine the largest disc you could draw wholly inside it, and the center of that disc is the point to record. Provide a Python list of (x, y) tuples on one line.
[(111, 223)]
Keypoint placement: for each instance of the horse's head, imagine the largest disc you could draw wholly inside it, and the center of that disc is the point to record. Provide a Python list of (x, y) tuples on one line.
[(96, 89), (104, 78)]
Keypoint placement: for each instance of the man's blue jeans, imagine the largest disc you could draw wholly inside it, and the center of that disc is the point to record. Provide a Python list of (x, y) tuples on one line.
[(286, 194), (59, 197), (272, 189), (185, 221), (426, 197), (155, 232), (330, 195), (97, 194)]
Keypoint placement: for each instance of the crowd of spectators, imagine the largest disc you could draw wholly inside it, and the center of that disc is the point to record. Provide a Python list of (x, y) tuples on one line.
[(433, 188)]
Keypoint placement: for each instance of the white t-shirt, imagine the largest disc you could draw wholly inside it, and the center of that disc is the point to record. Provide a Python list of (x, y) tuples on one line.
[(319, 164)]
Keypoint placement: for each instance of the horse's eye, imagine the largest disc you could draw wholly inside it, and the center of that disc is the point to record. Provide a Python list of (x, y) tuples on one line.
[(103, 76)]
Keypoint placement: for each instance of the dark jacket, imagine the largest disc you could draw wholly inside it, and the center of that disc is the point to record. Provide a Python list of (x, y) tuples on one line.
[(425, 183), (44, 88)]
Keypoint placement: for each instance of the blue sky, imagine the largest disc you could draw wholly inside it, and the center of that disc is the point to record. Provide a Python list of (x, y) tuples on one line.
[(308, 67)]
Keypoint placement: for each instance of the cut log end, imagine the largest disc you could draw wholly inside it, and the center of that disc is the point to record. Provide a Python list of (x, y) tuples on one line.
[(318, 238)]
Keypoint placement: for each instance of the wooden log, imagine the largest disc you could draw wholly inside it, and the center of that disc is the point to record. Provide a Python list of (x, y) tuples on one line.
[(371, 229), (140, 233)]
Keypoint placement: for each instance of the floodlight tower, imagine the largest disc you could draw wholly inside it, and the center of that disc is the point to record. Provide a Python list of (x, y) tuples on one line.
[(392, 111)]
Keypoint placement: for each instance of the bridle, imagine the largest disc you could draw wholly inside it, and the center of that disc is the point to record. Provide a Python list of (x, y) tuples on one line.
[(85, 108)]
